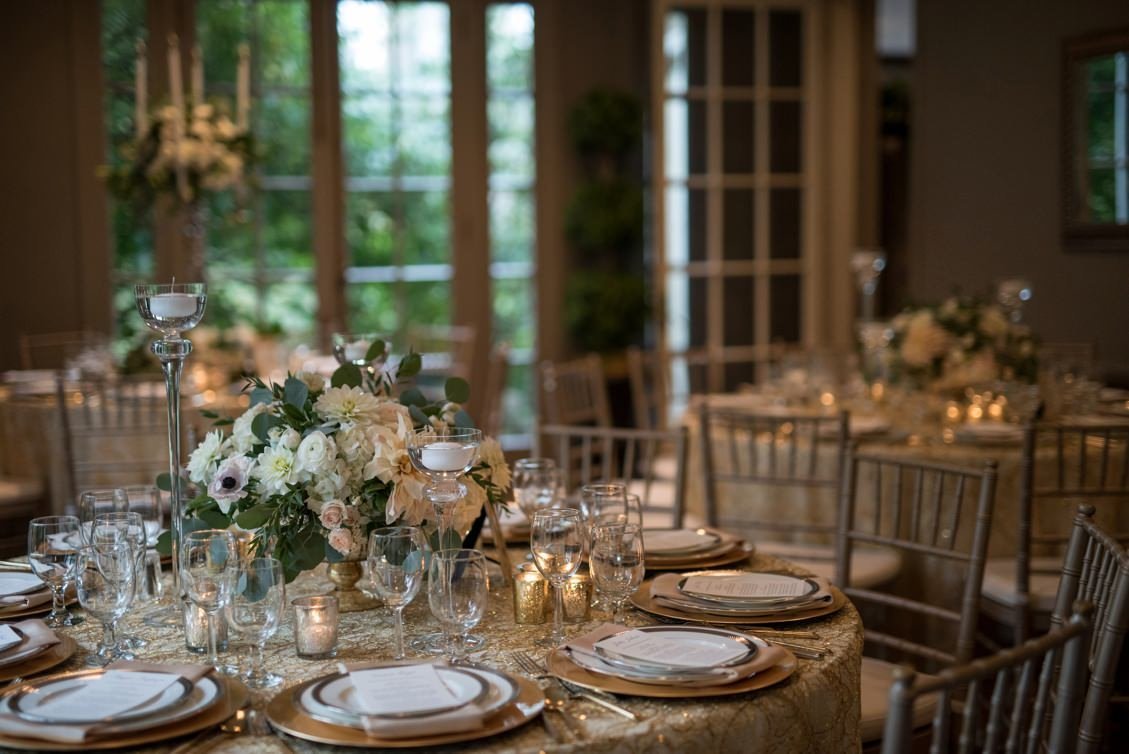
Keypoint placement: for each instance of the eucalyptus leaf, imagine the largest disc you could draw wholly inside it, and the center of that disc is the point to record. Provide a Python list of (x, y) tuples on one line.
[(463, 420), (295, 392), (376, 351), (417, 415), (413, 397), (164, 482), (261, 395), (254, 517), (164, 543), (457, 390), (347, 375), (409, 366), (261, 426), (214, 518)]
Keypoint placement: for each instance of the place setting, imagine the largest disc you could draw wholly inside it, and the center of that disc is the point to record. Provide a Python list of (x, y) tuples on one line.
[(406, 705), (28, 647), (703, 547), (23, 594), (737, 597), (124, 704), (670, 661)]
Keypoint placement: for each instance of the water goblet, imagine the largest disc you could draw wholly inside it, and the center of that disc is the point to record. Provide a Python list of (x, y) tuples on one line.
[(208, 560), (457, 590), (254, 611), (130, 527), (537, 483), (557, 542), (52, 551), (92, 503), (615, 510), (600, 495), (395, 571), (104, 582), (616, 561)]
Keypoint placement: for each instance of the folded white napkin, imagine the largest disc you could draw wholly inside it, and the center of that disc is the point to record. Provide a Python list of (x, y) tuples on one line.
[(39, 637), (13, 584), (14, 603), (465, 718)]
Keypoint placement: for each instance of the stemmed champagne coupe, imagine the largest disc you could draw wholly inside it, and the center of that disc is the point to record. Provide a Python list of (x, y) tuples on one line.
[(395, 571), (208, 562), (170, 309), (105, 575), (457, 590), (443, 456), (52, 551), (255, 610), (616, 560), (537, 483), (556, 540)]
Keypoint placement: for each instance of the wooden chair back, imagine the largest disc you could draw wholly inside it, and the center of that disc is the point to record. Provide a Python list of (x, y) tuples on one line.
[(1096, 570), (590, 454), (918, 507), (575, 392), (650, 392), (491, 410), (1025, 699), (51, 350)]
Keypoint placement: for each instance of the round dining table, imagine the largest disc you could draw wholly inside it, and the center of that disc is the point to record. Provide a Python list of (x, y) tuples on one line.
[(816, 709)]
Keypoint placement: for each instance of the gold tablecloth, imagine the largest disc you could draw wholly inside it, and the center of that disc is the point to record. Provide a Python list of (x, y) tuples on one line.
[(816, 710)]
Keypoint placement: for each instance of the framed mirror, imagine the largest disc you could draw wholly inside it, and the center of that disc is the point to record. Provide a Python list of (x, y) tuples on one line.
[(1095, 102)]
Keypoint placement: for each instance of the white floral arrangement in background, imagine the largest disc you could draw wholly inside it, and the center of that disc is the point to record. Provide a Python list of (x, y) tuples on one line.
[(312, 468), (958, 343)]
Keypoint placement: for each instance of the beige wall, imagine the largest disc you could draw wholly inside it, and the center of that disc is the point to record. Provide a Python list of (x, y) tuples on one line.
[(984, 171)]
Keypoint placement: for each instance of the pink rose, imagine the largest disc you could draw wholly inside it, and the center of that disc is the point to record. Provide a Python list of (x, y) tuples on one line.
[(332, 514), (341, 540)]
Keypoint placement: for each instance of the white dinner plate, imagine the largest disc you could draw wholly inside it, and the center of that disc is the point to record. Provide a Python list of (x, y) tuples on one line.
[(203, 695), (808, 587), (26, 701), (632, 671), (690, 636), (13, 584), (340, 707), (678, 541)]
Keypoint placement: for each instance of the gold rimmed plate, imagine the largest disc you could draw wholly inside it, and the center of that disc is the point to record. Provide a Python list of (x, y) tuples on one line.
[(643, 600), (286, 714), (45, 660), (732, 554), (27, 700), (231, 695), (562, 666)]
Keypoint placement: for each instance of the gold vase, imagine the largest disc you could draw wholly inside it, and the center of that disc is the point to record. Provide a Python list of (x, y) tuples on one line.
[(345, 574)]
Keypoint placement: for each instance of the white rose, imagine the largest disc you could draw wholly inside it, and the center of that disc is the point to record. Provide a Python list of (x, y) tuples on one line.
[(332, 514), (290, 439), (341, 540), (204, 459), (316, 453)]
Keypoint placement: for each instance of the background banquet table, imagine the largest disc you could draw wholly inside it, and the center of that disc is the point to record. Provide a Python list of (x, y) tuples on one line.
[(817, 709)]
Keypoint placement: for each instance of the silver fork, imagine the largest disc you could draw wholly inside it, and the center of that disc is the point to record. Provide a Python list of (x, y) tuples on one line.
[(538, 669), (553, 702)]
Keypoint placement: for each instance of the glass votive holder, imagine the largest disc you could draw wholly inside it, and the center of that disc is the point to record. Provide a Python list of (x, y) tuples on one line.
[(576, 595), (531, 594), (196, 630), (315, 626)]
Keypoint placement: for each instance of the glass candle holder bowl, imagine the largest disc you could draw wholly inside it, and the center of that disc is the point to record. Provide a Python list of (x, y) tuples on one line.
[(171, 308), (315, 626)]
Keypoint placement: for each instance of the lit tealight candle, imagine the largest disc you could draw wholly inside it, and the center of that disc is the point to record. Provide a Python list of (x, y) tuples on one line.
[(446, 456), (576, 595), (531, 594), (171, 305), (315, 626)]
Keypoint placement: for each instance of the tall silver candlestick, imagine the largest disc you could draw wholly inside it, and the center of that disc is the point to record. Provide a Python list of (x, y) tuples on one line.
[(170, 309)]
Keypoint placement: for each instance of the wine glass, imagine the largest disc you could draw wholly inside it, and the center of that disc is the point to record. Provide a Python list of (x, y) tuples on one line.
[(395, 571), (105, 575), (443, 455), (129, 527), (616, 561), (91, 503), (600, 496), (52, 543), (147, 501), (557, 543), (208, 560), (611, 510), (255, 610), (457, 590), (537, 483)]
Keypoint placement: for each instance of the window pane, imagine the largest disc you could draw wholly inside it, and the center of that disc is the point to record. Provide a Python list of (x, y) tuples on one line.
[(699, 293), (737, 47), (511, 226), (286, 230), (738, 311), (739, 373), (785, 29), (738, 240), (737, 132), (684, 44), (370, 229), (369, 135), (513, 301), (518, 406), (786, 136), (784, 210), (364, 30), (785, 297), (509, 50), (282, 126), (425, 136), (425, 228), (511, 136)]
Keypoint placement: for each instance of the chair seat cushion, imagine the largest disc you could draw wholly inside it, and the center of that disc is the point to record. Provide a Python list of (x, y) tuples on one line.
[(877, 677), (999, 582), (870, 566)]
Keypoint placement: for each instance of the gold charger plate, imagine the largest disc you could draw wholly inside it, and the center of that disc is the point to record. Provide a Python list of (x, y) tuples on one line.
[(42, 609), (235, 696), (49, 658), (561, 666), (642, 599), (287, 715), (740, 551)]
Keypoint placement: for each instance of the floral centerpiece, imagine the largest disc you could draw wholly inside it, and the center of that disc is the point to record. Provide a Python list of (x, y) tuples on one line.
[(313, 467), (958, 343)]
